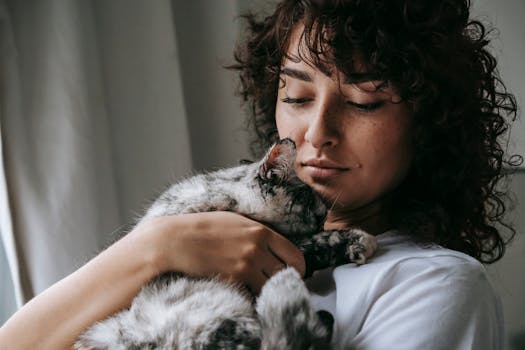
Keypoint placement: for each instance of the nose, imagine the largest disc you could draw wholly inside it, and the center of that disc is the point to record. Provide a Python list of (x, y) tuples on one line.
[(323, 129)]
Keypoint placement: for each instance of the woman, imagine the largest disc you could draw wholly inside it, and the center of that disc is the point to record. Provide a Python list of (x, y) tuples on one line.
[(397, 114)]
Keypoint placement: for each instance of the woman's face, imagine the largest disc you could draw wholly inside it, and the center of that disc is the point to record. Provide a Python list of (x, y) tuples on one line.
[(353, 143)]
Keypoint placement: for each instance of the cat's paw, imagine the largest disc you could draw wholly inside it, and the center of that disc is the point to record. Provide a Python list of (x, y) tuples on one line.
[(286, 282), (360, 247), (288, 320)]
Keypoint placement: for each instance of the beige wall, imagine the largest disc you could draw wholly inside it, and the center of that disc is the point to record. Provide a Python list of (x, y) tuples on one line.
[(507, 274), (509, 49)]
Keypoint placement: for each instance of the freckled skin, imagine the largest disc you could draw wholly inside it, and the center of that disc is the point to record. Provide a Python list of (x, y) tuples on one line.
[(374, 144)]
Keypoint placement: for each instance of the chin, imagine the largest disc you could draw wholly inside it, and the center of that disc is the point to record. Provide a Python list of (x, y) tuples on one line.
[(328, 193)]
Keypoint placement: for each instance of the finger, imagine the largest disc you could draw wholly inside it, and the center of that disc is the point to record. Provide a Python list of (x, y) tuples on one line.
[(272, 263), (287, 252)]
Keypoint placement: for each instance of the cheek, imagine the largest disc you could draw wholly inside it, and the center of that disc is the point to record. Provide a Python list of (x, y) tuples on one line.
[(389, 152), (282, 127), (287, 126)]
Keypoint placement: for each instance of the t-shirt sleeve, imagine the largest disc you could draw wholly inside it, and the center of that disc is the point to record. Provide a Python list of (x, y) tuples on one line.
[(432, 303)]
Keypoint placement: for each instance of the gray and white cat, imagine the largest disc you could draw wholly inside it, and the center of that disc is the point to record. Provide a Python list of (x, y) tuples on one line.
[(178, 312)]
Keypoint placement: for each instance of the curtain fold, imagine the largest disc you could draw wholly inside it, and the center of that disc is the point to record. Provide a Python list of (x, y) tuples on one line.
[(102, 107), (139, 58), (206, 34), (54, 131), (8, 66)]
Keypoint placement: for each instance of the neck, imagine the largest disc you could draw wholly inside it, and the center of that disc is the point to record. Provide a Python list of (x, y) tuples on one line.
[(373, 218)]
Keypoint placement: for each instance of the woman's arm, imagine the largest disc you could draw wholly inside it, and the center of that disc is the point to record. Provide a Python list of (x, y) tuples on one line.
[(106, 284), (225, 244)]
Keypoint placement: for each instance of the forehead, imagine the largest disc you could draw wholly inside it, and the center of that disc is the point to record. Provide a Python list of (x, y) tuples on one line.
[(301, 58), (299, 63)]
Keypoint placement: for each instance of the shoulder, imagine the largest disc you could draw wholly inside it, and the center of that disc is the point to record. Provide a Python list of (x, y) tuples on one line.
[(408, 289), (400, 261), (399, 258)]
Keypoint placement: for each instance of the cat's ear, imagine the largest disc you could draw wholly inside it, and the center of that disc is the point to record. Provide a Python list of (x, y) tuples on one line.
[(278, 163)]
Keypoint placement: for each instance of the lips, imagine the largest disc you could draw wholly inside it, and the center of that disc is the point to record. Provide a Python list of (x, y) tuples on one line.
[(322, 163), (321, 169)]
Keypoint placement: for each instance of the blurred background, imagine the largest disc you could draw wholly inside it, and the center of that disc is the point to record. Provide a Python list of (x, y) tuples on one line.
[(106, 102)]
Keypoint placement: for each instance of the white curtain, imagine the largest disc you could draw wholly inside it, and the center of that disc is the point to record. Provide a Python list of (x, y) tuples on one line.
[(102, 104)]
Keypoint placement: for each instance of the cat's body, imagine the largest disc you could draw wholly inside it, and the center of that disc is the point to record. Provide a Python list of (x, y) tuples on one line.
[(178, 312)]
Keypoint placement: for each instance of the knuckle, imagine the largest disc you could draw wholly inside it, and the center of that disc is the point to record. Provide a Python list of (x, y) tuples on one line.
[(249, 253), (240, 270), (259, 233)]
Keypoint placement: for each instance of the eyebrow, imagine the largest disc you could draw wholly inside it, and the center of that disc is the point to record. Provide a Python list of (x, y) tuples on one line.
[(297, 74), (357, 77)]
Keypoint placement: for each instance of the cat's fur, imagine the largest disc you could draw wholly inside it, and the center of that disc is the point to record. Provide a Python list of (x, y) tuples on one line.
[(178, 312)]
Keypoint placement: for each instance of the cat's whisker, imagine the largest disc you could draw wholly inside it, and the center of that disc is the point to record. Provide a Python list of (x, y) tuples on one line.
[(335, 200)]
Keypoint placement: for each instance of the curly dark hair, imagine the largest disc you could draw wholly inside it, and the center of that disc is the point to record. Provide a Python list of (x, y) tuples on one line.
[(437, 59)]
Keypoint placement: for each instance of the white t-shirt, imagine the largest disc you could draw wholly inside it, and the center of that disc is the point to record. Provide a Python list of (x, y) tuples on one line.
[(410, 297)]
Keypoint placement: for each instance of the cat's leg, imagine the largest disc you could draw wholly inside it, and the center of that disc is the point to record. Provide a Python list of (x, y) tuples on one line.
[(288, 321), (359, 245), (335, 247)]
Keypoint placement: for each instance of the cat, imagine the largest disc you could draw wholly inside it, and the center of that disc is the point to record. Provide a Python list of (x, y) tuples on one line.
[(178, 312)]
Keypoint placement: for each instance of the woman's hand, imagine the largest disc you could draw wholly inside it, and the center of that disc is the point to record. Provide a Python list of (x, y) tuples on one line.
[(222, 244)]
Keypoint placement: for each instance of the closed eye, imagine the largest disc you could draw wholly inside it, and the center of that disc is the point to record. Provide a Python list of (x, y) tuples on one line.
[(295, 100), (368, 107)]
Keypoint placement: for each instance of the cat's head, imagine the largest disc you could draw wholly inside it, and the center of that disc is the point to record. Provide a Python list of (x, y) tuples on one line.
[(278, 165), (291, 206)]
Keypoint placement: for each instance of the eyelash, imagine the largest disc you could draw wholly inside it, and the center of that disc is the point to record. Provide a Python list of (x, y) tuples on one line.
[(295, 100), (369, 107)]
